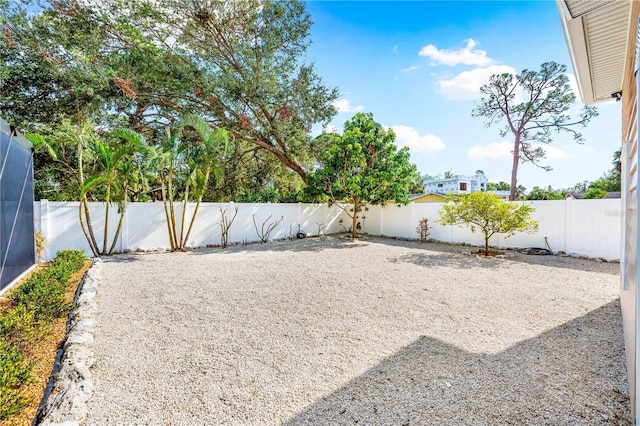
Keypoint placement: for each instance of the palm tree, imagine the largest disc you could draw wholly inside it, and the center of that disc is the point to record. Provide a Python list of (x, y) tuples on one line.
[(130, 171), (68, 147), (118, 164), (212, 148)]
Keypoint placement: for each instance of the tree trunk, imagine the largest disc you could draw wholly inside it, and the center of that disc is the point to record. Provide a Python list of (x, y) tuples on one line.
[(84, 231), (115, 239), (292, 164), (182, 242), (91, 239), (514, 169), (166, 214), (106, 221), (354, 229), (171, 208), (195, 212), (486, 245), (87, 214), (119, 228)]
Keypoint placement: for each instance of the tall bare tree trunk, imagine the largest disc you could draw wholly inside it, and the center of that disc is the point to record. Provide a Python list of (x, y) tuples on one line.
[(514, 169)]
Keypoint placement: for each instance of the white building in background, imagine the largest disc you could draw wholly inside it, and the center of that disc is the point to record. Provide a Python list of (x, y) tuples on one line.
[(458, 184)]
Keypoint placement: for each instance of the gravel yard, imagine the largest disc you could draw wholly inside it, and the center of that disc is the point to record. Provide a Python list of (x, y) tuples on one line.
[(330, 331)]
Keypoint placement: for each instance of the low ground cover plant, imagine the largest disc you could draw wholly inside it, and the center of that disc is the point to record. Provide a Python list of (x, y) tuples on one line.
[(33, 307)]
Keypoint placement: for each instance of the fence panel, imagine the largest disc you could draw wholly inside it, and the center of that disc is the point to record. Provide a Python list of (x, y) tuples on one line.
[(583, 227)]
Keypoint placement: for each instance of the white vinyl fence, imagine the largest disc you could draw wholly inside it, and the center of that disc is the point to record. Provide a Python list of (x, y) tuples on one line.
[(580, 227)]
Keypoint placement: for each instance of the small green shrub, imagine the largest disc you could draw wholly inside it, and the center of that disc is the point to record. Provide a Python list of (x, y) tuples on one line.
[(14, 372), (44, 292), (20, 326), (74, 257), (43, 295)]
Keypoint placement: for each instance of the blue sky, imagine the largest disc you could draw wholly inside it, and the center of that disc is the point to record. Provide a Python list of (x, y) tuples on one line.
[(417, 67)]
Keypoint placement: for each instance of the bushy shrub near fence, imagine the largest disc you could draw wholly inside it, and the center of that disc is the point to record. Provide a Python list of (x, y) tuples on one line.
[(15, 371), (36, 303)]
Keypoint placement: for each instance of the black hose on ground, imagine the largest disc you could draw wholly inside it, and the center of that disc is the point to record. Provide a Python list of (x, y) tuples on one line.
[(540, 251)]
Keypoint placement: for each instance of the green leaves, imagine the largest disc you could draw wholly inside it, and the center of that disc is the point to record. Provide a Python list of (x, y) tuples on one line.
[(239, 65), (364, 166), (488, 213), (530, 105)]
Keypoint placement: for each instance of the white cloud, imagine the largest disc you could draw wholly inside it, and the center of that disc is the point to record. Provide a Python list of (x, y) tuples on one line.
[(466, 56), (504, 150), (466, 85), (410, 137), (553, 153), (344, 105), (411, 68), (329, 128), (492, 151)]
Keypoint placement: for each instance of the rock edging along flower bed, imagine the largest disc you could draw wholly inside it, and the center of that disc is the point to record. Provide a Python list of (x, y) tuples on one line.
[(73, 385)]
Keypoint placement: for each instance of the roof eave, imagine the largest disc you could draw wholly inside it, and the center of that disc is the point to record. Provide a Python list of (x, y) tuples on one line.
[(574, 35)]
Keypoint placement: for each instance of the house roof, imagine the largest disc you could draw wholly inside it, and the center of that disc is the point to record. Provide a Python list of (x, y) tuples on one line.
[(596, 34), (580, 195), (414, 196)]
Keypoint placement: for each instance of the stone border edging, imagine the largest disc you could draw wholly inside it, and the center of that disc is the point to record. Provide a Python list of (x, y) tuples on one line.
[(67, 405)]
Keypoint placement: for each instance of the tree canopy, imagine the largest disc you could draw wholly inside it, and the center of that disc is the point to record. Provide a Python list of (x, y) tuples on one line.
[(489, 214), (364, 166), (144, 65), (531, 105)]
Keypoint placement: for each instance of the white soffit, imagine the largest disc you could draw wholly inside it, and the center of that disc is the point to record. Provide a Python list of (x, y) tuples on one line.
[(596, 33)]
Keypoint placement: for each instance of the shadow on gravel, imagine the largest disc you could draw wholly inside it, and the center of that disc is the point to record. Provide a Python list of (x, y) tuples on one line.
[(122, 258), (572, 374), (446, 260), (567, 262), (311, 244), (467, 261)]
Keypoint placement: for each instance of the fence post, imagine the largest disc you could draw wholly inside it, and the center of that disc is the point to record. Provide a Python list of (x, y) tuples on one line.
[(568, 235), (124, 233), (44, 227), (414, 219)]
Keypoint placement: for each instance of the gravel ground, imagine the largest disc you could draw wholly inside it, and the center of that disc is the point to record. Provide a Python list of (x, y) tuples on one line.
[(330, 331)]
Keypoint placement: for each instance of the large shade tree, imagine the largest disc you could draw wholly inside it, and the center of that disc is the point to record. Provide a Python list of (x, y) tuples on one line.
[(144, 64), (364, 166), (531, 106)]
